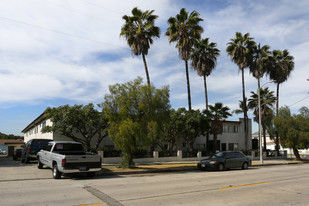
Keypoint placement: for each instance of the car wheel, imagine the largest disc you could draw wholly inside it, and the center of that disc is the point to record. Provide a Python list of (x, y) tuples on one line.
[(245, 166), (56, 173), (90, 174), (221, 167), (22, 159), (27, 160), (40, 165)]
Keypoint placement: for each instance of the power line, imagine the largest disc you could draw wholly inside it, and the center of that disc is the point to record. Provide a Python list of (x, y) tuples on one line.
[(56, 31), (93, 4), (72, 10), (299, 101)]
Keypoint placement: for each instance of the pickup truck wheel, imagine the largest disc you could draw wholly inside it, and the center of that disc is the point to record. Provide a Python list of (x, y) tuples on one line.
[(40, 165), (56, 173), (90, 174)]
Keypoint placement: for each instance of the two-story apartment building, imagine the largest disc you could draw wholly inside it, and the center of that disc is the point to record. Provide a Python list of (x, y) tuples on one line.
[(232, 137)]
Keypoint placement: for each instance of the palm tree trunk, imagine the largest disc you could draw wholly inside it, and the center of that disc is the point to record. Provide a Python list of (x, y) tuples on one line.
[(277, 113), (264, 138), (188, 85), (146, 69), (245, 109), (214, 146), (206, 96)]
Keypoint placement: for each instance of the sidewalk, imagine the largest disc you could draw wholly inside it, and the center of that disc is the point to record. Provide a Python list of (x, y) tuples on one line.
[(183, 166)]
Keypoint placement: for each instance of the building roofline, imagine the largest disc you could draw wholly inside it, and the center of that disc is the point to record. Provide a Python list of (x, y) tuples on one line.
[(35, 122)]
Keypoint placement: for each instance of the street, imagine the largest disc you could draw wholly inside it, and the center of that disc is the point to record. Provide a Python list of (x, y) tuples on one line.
[(22, 184)]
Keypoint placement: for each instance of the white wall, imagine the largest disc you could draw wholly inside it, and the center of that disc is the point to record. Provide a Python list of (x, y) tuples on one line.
[(36, 133)]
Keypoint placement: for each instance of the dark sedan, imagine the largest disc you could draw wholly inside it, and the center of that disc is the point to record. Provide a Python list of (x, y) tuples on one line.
[(225, 160), (17, 154)]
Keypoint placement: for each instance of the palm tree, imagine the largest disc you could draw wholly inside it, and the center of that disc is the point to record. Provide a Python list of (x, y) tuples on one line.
[(259, 61), (185, 30), (139, 30), (268, 100), (240, 49), (281, 66), (217, 114), (204, 59)]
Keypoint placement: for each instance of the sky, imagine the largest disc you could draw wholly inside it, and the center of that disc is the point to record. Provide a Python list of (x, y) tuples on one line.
[(57, 52)]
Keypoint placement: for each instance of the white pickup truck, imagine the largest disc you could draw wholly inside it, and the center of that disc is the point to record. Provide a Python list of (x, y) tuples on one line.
[(68, 157)]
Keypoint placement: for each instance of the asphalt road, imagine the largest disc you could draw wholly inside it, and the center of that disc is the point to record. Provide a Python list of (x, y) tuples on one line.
[(273, 185)]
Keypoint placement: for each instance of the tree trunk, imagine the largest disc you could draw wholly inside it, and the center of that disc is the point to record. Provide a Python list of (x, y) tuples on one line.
[(146, 69), (206, 96), (245, 110), (214, 146), (188, 85), (206, 99), (264, 138), (277, 113), (296, 153)]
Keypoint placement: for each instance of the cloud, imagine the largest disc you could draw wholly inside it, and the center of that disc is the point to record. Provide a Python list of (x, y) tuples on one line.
[(87, 54)]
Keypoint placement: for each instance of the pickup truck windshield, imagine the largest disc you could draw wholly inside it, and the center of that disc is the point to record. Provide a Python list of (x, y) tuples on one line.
[(62, 147)]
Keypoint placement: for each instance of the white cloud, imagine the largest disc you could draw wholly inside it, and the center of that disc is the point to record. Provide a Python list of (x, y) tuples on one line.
[(36, 64)]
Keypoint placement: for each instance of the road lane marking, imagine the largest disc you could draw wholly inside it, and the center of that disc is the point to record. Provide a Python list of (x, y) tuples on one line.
[(260, 183), (92, 204), (102, 196)]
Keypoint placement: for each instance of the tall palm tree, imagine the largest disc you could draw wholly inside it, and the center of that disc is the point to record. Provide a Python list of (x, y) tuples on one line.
[(138, 30), (204, 59), (281, 67), (267, 100), (217, 114), (185, 30), (259, 61), (240, 49)]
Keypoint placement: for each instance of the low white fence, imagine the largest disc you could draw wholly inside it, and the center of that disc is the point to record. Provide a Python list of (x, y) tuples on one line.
[(178, 158)]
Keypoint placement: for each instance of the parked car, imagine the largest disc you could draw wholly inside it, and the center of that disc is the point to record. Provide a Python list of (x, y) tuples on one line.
[(32, 148), (65, 157), (17, 154), (2, 152), (225, 160)]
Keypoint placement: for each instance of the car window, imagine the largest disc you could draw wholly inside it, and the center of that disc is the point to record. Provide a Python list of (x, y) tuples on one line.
[(232, 155), (40, 143), (48, 147), (219, 154), (68, 147), (239, 155)]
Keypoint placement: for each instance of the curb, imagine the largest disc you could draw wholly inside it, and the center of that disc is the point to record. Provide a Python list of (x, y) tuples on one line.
[(111, 173)]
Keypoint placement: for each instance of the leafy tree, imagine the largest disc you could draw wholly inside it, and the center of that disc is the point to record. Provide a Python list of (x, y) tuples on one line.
[(186, 125), (204, 59), (81, 123), (136, 115), (267, 100), (172, 130), (240, 50), (293, 129), (217, 114), (195, 125), (281, 66), (185, 30), (139, 30), (9, 136)]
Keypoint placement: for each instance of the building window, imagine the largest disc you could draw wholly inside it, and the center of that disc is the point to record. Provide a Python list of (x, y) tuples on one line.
[(231, 146), (44, 124), (225, 129)]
